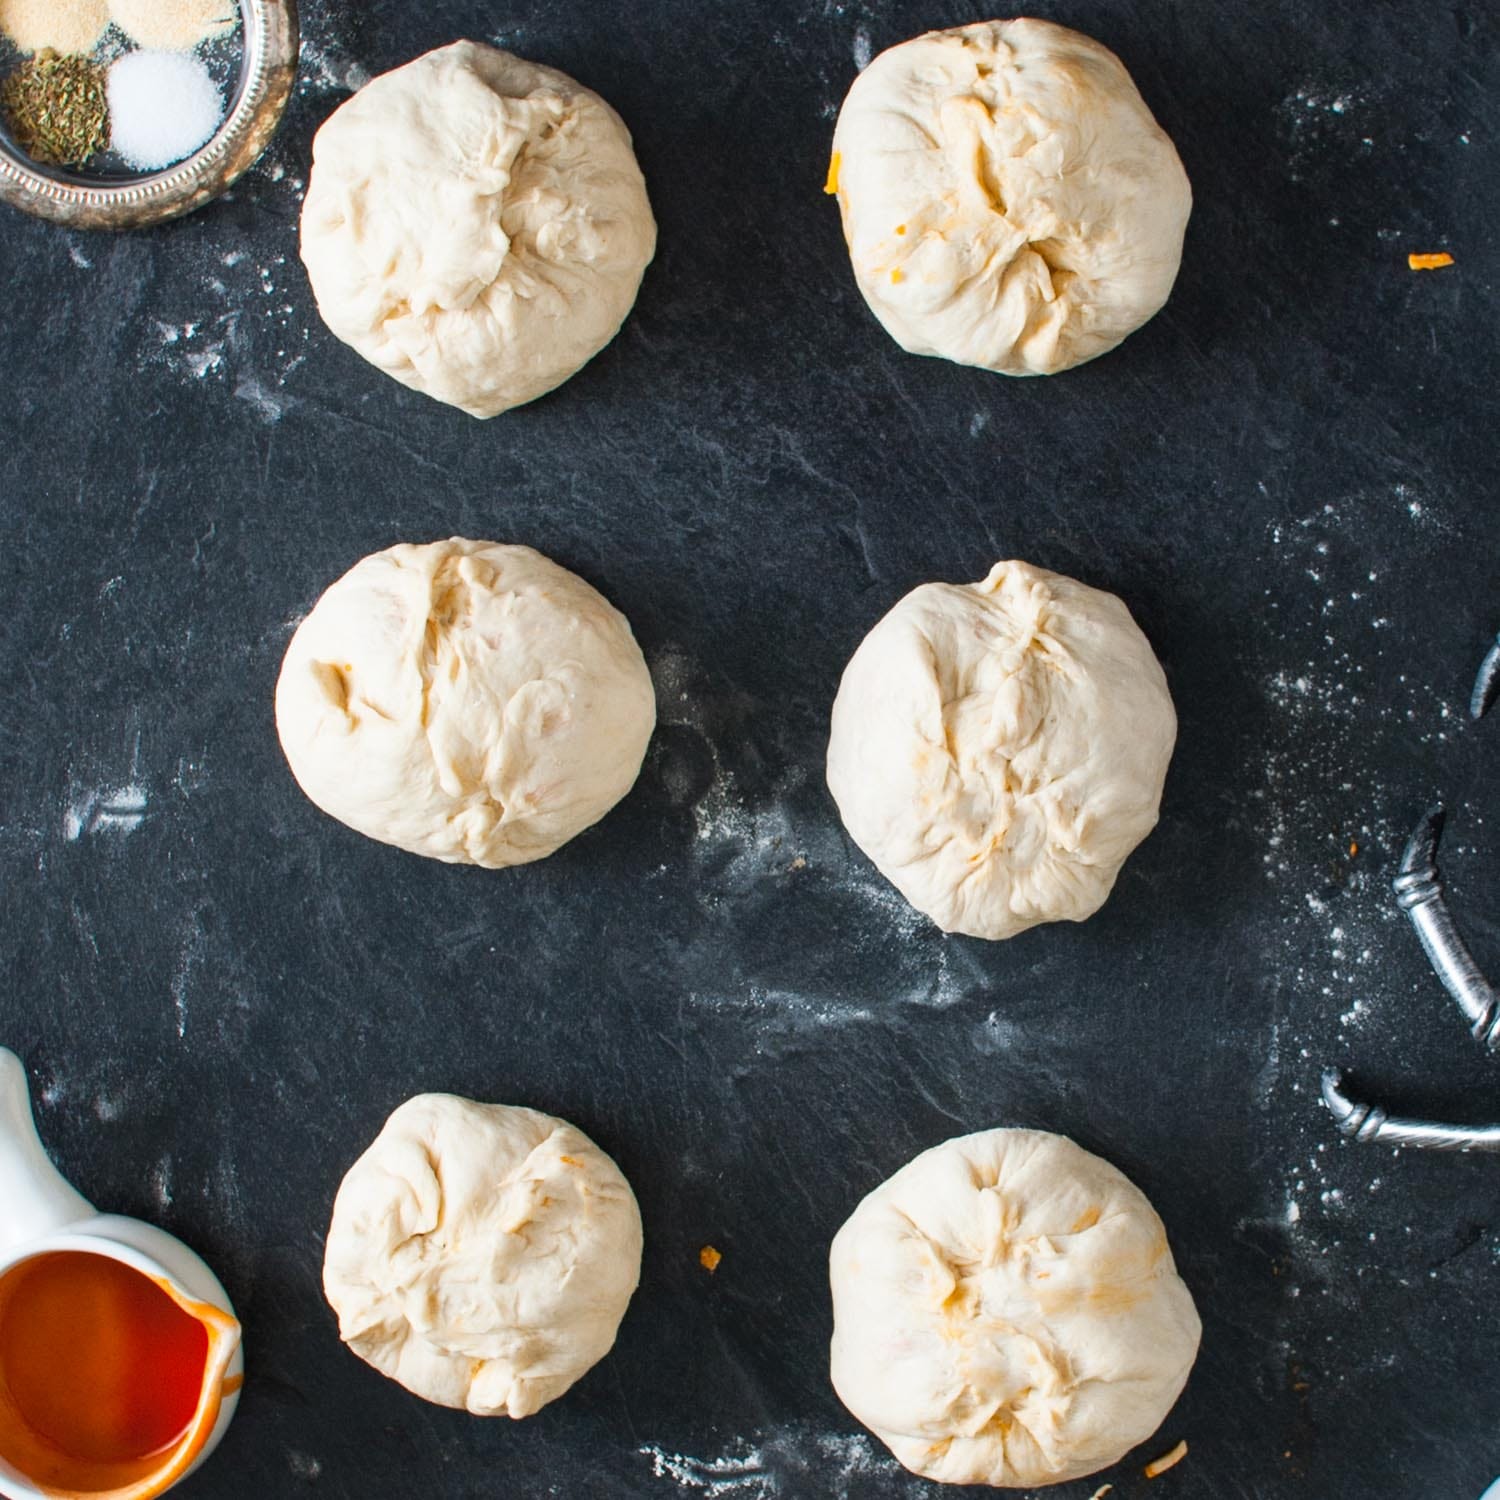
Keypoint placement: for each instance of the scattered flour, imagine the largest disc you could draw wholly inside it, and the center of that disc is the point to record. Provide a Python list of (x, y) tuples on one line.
[(246, 332), (789, 1463), (303, 1465), (1317, 121), (752, 852), (1326, 707), (739, 1472), (161, 1183), (189, 959), (268, 405), (105, 810), (326, 62), (784, 1010)]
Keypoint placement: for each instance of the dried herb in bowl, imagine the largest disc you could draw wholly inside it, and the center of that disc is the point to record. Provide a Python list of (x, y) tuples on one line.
[(55, 108)]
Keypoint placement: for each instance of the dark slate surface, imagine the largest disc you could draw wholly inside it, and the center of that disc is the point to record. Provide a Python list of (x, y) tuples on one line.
[(220, 993)]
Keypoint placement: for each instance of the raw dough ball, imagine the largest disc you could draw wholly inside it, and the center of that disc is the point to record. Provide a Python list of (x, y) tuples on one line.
[(469, 701), (482, 1255), (1007, 197), (1006, 1311), (476, 225), (999, 748)]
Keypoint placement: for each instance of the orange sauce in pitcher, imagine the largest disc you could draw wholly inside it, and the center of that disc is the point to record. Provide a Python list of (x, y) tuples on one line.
[(96, 1359)]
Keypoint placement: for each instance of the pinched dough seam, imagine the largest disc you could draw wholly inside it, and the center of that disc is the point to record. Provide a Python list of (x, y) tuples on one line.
[(978, 863), (986, 181)]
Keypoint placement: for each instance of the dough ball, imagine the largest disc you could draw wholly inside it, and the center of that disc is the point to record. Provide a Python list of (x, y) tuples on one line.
[(1008, 199), (469, 701), (999, 748), (1006, 1312), (476, 225), (482, 1255)]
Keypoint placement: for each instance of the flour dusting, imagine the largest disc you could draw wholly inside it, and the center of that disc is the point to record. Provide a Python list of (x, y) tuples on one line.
[(783, 1009), (244, 332), (1316, 120), (326, 61), (189, 959), (787, 1463), (161, 1182), (106, 810), (303, 1465), (1329, 701), (268, 405), (764, 836), (739, 1472)]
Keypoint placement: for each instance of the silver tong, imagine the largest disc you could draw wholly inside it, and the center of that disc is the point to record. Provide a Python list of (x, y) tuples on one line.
[(1419, 893), (1487, 684), (1369, 1122)]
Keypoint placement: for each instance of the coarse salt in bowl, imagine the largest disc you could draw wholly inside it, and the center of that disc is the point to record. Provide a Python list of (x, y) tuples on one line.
[(162, 107)]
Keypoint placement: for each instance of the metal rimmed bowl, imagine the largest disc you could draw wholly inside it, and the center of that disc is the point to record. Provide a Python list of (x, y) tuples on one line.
[(268, 67)]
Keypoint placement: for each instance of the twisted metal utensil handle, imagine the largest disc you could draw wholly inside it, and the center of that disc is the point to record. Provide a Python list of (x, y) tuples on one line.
[(1419, 893), (1486, 684), (1369, 1122)]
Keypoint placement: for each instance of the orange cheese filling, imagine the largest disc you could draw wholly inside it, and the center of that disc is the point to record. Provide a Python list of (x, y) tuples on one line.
[(1166, 1461)]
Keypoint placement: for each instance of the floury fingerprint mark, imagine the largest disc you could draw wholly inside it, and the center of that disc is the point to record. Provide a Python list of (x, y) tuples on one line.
[(118, 810)]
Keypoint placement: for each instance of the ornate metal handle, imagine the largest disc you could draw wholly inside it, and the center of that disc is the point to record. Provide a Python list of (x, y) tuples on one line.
[(1419, 891), (1369, 1122), (1487, 684)]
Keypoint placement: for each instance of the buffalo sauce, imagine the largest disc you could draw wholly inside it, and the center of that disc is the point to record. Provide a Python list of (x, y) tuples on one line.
[(97, 1362)]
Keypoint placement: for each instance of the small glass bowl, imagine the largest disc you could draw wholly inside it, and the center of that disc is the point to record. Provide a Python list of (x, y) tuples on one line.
[(268, 68)]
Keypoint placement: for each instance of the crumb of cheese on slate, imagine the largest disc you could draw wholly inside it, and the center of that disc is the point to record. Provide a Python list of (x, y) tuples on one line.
[(832, 185), (1434, 262), (709, 1259), (1166, 1461)]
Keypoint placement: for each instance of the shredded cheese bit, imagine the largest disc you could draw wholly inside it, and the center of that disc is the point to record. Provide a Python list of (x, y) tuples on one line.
[(832, 185), (572, 1161), (896, 276), (709, 1259), (1353, 848), (901, 229), (1101, 1492), (1433, 262), (1166, 1461)]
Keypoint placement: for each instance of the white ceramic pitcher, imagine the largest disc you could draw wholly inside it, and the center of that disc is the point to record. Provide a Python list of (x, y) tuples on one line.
[(41, 1215)]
